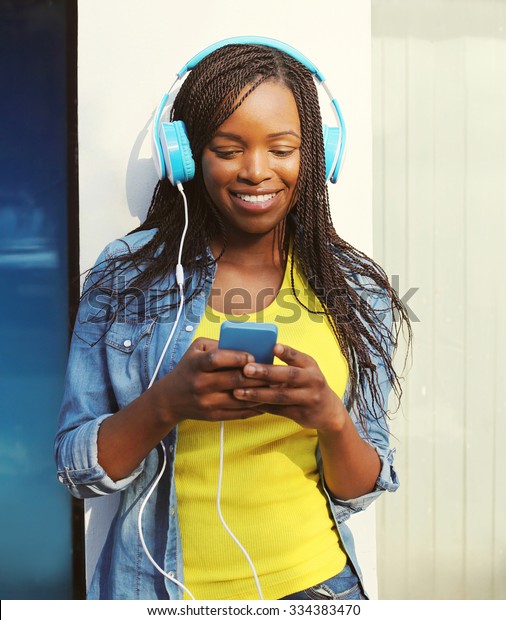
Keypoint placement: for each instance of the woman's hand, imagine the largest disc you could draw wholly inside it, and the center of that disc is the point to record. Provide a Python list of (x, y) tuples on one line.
[(201, 385), (300, 392), (297, 391)]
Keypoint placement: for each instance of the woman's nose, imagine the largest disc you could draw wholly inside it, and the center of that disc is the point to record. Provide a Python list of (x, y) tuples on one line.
[(255, 167)]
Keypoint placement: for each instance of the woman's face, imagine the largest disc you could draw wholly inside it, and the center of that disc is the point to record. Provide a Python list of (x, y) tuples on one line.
[(251, 165)]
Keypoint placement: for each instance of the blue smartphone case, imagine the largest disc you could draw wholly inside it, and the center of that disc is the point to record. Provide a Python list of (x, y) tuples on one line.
[(255, 338)]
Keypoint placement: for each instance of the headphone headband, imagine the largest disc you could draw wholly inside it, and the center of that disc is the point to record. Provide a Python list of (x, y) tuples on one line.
[(171, 149), (245, 40)]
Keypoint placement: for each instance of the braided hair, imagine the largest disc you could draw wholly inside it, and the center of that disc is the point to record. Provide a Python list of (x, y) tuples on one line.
[(211, 92)]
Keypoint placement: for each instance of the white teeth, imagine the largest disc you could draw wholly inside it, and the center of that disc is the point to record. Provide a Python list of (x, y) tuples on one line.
[(250, 198)]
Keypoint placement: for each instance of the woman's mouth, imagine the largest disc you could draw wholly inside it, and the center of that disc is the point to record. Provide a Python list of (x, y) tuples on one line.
[(256, 198), (255, 202)]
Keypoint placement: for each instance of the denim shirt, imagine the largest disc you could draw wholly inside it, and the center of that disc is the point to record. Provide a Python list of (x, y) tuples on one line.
[(110, 365)]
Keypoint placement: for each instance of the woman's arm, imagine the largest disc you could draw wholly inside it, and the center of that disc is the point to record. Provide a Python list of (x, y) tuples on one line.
[(300, 392), (198, 388), (100, 448), (351, 465)]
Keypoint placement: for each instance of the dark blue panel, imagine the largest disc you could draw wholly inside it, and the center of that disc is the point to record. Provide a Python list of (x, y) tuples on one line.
[(35, 519)]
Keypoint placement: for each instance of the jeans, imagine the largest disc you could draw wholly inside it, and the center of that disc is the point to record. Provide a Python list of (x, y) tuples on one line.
[(343, 586)]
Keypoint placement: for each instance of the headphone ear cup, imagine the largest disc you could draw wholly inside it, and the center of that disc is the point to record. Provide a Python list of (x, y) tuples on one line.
[(332, 145), (177, 153)]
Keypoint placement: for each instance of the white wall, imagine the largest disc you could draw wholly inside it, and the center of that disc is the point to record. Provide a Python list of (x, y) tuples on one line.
[(129, 52)]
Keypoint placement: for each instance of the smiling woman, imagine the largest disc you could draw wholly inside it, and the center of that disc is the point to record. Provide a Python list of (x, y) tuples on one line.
[(236, 476)]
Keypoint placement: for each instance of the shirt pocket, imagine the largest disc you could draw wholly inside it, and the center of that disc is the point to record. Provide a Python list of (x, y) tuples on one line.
[(127, 336), (127, 349)]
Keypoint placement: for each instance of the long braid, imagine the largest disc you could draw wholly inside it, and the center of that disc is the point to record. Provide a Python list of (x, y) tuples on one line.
[(208, 96)]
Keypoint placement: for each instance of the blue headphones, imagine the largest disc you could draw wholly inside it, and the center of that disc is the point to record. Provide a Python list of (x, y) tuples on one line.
[(171, 148)]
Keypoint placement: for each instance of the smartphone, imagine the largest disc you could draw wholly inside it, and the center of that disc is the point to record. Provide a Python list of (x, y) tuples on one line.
[(255, 338)]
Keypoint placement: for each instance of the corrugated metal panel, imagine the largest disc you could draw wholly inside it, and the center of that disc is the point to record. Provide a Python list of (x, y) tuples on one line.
[(439, 115)]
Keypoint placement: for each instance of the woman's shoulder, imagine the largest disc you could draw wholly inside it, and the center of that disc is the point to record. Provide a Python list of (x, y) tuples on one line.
[(128, 244), (114, 260)]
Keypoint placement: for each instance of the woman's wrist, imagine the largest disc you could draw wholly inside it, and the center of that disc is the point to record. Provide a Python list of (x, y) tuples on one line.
[(158, 404), (335, 420)]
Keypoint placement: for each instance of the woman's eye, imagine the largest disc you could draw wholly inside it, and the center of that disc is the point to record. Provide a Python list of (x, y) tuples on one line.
[(227, 154), (283, 152), (230, 153)]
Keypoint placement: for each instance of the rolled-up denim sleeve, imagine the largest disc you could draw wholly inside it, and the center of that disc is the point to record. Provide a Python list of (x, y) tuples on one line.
[(77, 462), (87, 401), (375, 431)]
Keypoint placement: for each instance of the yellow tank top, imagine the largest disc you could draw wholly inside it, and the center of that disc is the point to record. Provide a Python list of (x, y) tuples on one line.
[(271, 495)]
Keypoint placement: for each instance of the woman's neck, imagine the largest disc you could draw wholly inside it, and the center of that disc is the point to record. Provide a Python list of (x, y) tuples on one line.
[(261, 251)]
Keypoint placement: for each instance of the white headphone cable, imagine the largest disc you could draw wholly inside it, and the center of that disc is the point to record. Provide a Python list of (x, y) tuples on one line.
[(141, 535), (180, 283), (220, 515)]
